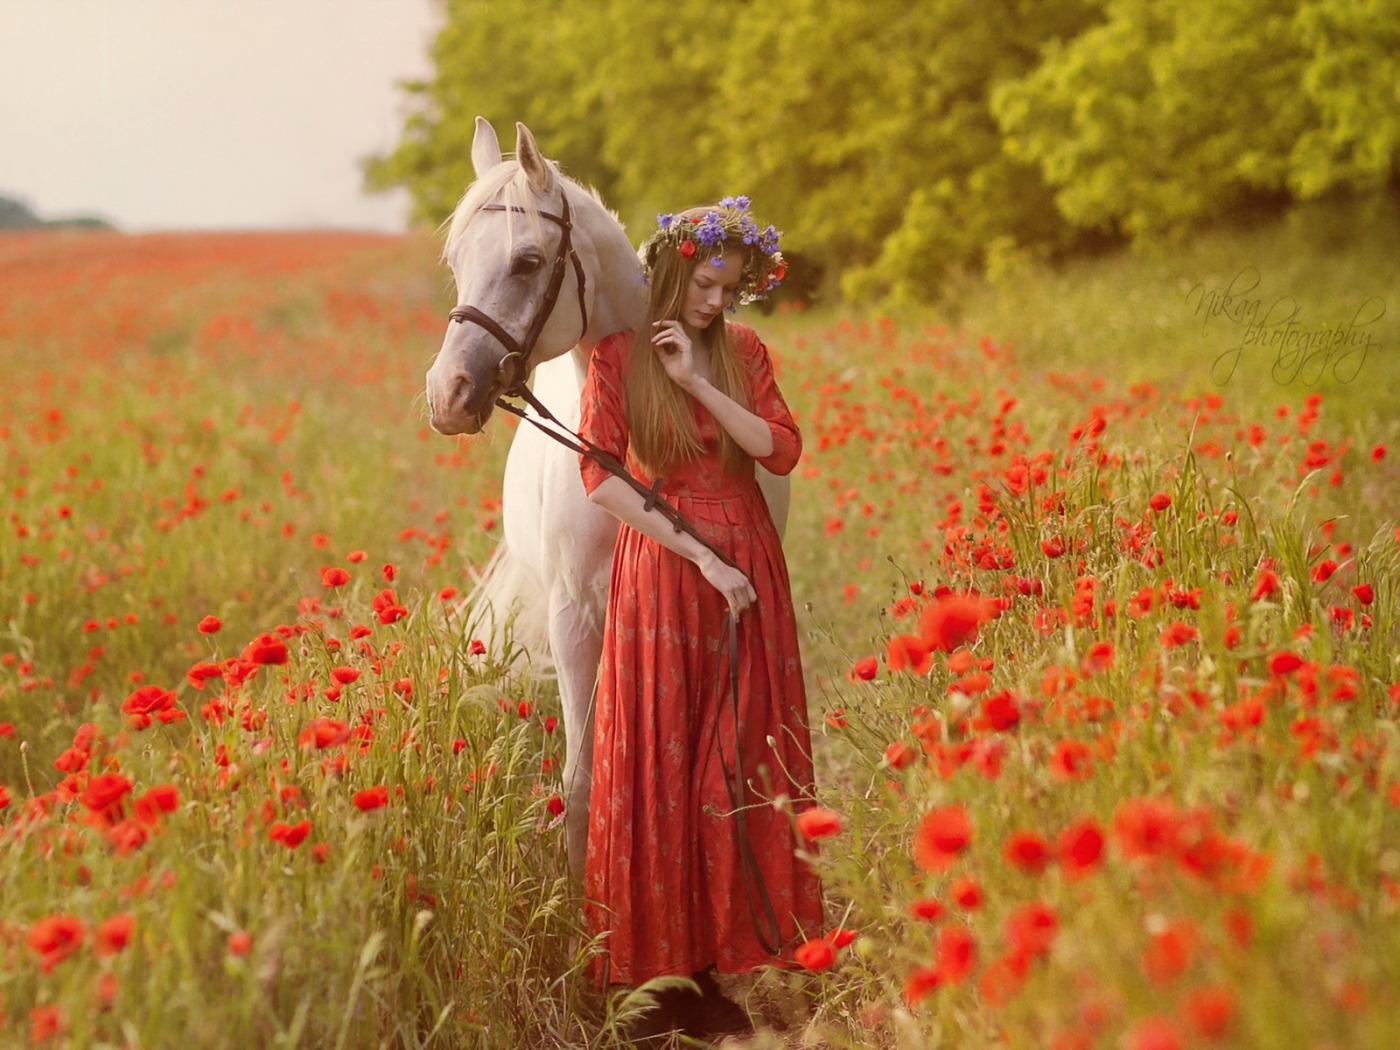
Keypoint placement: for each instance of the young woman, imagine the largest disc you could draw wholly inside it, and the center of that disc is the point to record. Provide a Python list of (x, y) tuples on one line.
[(691, 400)]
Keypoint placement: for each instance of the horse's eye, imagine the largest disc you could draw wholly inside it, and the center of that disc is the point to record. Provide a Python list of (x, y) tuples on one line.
[(524, 265)]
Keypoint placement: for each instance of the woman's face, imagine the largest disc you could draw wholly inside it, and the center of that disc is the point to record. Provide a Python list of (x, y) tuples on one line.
[(710, 291)]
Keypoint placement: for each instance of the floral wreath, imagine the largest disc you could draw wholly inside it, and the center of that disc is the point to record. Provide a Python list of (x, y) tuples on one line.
[(728, 222)]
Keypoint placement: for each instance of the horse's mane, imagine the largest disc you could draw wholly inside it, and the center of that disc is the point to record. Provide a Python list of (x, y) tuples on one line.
[(509, 182)]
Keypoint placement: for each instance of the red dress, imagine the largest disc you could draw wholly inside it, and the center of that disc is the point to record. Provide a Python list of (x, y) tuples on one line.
[(663, 876)]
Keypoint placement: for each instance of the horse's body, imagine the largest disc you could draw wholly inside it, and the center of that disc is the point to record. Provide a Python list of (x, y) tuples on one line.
[(554, 561)]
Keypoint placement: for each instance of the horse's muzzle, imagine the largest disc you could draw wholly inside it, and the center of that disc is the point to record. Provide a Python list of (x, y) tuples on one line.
[(450, 405)]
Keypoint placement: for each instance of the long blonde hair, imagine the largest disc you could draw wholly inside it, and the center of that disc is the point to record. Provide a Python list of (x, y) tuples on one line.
[(660, 415)]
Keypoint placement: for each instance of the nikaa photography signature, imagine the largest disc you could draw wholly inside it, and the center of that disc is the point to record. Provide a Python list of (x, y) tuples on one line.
[(1300, 351)]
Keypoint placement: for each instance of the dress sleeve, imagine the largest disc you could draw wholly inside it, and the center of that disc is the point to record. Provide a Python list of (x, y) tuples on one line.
[(768, 403), (601, 420)]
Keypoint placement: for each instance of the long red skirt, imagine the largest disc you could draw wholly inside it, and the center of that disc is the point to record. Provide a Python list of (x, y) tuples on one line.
[(663, 878)]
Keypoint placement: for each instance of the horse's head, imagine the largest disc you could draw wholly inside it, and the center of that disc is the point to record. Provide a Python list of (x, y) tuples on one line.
[(522, 294)]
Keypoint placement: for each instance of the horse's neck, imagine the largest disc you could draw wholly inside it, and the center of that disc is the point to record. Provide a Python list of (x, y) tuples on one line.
[(619, 299), (558, 383)]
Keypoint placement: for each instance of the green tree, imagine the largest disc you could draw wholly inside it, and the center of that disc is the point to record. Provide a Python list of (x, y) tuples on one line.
[(1352, 77), (1174, 112), (529, 60), (868, 126)]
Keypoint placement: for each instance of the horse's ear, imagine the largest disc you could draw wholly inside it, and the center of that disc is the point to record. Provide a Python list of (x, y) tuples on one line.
[(531, 160), (486, 148)]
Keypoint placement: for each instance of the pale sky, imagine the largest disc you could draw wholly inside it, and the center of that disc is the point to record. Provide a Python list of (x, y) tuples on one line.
[(207, 114)]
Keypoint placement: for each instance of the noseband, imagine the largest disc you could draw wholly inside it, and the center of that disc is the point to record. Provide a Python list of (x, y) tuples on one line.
[(515, 366)]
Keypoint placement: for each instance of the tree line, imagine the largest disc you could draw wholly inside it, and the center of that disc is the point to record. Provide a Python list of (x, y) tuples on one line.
[(17, 215), (894, 141)]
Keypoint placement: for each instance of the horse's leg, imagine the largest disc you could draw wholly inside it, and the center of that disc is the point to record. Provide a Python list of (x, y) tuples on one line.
[(576, 538), (576, 640)]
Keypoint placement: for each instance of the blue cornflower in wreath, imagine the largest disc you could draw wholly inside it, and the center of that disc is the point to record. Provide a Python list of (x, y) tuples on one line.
[(707, 232)]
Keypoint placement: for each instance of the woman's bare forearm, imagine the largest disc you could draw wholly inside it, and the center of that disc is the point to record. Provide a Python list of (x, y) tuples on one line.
[(750, 431)]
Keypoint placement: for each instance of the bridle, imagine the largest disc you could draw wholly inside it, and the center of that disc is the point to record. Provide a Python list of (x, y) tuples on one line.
[(515, 366)]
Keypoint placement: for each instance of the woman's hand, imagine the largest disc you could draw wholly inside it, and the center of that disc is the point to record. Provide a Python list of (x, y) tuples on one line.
[(673, 346), (729, 581)]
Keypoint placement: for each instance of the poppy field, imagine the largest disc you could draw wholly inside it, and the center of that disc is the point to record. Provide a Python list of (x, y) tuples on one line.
[(1102, 676)]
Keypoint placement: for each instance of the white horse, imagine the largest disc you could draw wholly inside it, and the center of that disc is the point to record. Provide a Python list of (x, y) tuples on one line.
[(543, 272)]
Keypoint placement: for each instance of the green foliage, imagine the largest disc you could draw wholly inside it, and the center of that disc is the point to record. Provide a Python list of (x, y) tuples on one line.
[(532, 62), (1353, 79), (1164, 114), (897, 143)]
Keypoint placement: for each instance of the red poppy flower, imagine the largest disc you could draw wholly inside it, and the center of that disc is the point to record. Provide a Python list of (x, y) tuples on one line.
[(334, 576), (201, 672), (322, 733), (387, 608), (1030, 929), (687, 249), (1071, 760), (163, 798), (1153, 1033), (1160, 501), (1266, 585), (113, 934), (344, 674), (1323, 570), (290, 835), (210, 625), (240, 942), (927, 909), (864, 669), (104, 793), (1364, 593), (818, 823), (921, 983), (149, 702), (955, 953), (966, 892), (1285, 662), (906, 652), (899, 754), (266, 649), (477, 648), (815, 955), (1146, 827), (953, 620), (943, 833), (1028, 851), (45, 1022), (1079, 847), (1210, 1010), (840, 937), (1177, 633), (1098, 658), (54, 938), (371, 798), (1170, 951), (555, 805), (1000, 711)]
